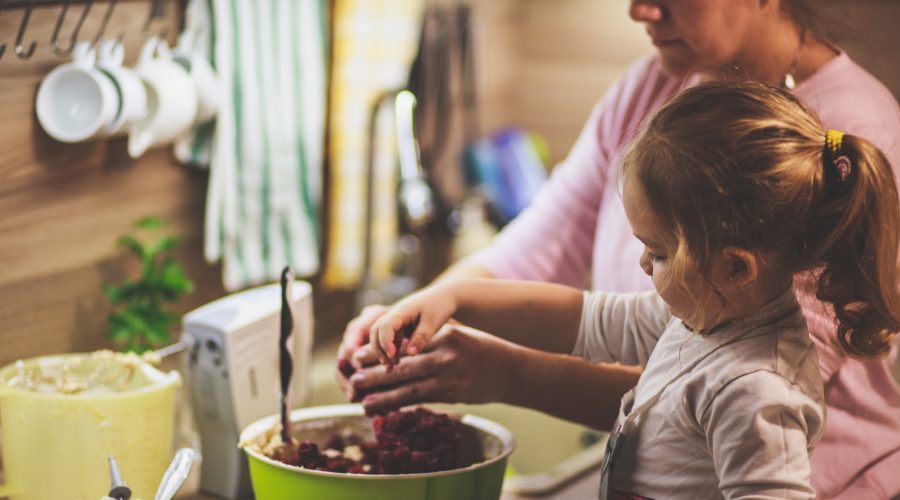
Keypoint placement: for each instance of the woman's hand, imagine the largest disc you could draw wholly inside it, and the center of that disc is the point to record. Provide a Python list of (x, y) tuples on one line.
[(355, 336), (417, 317), (458, 365)]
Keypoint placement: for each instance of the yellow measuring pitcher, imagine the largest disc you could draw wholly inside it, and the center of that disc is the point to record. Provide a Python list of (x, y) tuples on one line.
[(62, 416)]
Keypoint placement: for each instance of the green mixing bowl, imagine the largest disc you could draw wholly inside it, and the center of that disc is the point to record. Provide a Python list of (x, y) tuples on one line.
[(273, 480)]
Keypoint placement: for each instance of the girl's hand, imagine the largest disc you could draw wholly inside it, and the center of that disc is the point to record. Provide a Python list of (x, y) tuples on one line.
[(417, 317)]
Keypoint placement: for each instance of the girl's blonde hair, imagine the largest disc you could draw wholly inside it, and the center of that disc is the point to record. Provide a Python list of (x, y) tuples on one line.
[(746, 165)]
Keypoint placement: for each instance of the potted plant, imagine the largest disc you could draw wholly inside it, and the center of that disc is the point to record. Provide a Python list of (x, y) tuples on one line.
[(140, 319)]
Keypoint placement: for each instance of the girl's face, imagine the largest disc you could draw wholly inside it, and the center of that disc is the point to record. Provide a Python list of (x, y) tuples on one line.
[(703, 35), (659, 247)]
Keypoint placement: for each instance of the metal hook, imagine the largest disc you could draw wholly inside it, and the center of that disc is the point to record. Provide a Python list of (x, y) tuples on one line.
[(2, 47), (109, 10), (20, 49), (59, 21), (156, 10), (62, 52)]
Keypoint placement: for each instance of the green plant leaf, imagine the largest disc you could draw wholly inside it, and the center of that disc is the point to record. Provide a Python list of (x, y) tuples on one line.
[(174, 280), (150, 222), (139, 319), (122, 293), (162, 245), (134, 319), (157, 336), (112, 292), (131, 243), (117, 330), (136, 347)]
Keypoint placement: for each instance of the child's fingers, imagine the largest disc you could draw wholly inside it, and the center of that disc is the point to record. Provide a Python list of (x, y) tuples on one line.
[(388, 337), (419, 338), (375, 341)]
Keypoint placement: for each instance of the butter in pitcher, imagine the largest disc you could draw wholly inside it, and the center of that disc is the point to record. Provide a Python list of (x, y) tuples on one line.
[(101, 372)]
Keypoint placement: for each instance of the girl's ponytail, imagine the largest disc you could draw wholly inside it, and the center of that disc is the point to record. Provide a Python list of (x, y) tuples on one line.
[(860, 248), (747, 165)]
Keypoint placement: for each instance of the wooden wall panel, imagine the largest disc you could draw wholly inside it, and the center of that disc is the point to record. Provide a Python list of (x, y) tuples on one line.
[(568, 52), (62, 206)]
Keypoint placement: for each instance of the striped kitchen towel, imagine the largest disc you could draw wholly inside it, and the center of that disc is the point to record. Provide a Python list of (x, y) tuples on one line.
[(265, 185), (374, 45)]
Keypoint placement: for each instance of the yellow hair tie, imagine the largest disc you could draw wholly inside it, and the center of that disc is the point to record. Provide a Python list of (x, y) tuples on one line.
[(833, 140)]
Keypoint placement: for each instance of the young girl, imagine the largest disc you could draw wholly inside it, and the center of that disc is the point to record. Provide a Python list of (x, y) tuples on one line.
[(733, 188)]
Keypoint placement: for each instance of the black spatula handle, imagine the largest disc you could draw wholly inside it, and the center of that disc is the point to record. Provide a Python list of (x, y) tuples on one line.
[(286, 364)]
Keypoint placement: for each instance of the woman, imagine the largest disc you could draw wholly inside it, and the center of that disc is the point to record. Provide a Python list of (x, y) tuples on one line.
[(577, 228)]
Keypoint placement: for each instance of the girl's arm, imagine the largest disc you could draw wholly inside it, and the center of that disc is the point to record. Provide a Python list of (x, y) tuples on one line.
[(542, 316), (538, 315), (464, 365)]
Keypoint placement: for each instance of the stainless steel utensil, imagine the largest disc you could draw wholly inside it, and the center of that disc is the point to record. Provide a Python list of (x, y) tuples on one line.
[(175, 475), (117, 488)]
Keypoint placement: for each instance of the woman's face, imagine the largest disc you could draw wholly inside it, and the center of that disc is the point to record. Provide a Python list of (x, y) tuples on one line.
[(703, 35)]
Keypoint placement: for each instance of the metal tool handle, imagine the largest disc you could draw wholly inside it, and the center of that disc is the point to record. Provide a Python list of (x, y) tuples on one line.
[(176, 474), (182, 345), (286, 360), (117, 488)]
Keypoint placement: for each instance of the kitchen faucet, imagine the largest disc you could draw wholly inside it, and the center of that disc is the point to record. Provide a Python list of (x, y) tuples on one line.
[(416, 201), (416, 206)]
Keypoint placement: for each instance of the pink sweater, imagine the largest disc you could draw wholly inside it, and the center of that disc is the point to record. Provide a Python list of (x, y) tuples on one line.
[(576, 227)]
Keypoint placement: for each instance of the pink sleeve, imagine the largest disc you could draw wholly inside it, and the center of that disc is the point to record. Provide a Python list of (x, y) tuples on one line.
[(553, 239)]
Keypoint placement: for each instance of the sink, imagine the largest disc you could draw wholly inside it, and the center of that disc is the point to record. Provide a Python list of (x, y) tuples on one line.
[(549, 451)]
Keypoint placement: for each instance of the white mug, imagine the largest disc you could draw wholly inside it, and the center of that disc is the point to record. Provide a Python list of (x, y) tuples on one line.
[(209, 94), (76, 101), (171, 99), (132, 94)]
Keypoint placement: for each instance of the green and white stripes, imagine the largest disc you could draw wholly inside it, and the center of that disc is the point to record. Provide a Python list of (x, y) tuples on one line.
[(266, 162)]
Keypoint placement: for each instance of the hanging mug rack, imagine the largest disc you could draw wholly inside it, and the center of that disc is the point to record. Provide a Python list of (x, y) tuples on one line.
[(59, 46)]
